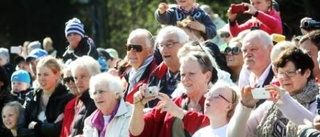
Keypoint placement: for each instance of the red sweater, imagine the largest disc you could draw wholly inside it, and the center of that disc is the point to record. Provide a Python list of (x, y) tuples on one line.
[(159, 124), (269, 22), (68, 117)]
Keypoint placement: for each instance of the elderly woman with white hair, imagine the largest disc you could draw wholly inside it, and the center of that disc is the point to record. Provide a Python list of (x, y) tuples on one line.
[(113, 114)]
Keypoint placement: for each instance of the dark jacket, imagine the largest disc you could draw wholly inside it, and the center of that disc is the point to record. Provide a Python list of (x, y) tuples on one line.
[(22, 95), (84, 112), (310, 132), (86, 47), (54, 108)]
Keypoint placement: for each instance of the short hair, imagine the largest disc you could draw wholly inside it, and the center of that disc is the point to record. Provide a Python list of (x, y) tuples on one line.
[(52, 63), (47, 40), (235, 94), (300, 60), (106, 82), (16, 105), (278, 48), (313, 36), (145, 33), (261, 35), (86, 62), (182, 35)]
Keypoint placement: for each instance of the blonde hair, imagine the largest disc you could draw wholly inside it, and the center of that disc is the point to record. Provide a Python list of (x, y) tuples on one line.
[(52, 63), (14, 104)]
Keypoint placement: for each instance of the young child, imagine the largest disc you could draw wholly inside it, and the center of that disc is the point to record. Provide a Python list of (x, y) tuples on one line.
[(20, 85), (166, 15), (10, 116)]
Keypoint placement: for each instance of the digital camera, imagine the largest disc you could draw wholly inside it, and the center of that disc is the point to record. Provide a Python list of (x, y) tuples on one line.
[(310, 24)]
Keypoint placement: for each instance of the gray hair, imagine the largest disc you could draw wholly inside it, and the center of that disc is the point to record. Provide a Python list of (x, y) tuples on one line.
[(261, 35), (87, 63), (106, 82), (181, 34), (145, 34)]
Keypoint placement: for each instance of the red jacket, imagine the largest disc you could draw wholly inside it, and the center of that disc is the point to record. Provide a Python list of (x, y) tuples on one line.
[(68, 117), (159, 124), (269, 22)]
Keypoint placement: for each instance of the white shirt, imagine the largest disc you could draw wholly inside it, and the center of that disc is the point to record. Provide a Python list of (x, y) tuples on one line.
[(208, 131)]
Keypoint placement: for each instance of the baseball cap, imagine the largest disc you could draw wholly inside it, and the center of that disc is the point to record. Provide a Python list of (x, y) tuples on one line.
[(104, 53), (21, 76), (112, 52), (37, 54)]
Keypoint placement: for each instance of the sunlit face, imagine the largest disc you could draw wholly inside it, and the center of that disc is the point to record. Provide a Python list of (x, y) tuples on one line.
[(293, 84), (255, 54), (3, 61), (82, 77), (135, 58), (19, 86), (10, 117), (234, 60), (185, 3), (70, 83), (262, 5), (218, 102), (47, 78), (74, 39), (104, 100), (308, 47), (192, 77), (169, 47)]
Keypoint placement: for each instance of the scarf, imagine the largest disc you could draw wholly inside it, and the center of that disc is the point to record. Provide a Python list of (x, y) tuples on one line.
[(135, 75), (267, 126)]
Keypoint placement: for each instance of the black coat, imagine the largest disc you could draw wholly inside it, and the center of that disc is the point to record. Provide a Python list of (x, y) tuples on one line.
[(56, 104)]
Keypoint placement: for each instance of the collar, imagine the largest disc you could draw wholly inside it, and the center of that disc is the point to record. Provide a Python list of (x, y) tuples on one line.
[(259, 80)]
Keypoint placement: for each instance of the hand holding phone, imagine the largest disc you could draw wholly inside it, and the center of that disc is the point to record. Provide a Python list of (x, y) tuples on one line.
[(260, 93), (238, 8)]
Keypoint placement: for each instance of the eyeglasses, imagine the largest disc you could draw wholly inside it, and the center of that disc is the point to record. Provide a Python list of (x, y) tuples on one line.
[(68, 79), (216, 96), (168, 44), (288, 74), (136, 48), (234, 50), (225, 35)]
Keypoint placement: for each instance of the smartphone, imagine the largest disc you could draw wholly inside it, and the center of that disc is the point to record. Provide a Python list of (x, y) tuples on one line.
[(15, 49), (151, 91), (260, 93), (238, 8)]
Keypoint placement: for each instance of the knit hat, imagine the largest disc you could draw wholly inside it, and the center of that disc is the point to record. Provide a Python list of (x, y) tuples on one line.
[(113, 52), (37, 54), (34, 45), (21, 76), (4, 53), (74, 26)]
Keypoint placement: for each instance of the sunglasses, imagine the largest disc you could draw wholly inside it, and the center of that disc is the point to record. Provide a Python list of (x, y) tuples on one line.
[(136, 48), (234, 50), (68, 79), (225, 35)]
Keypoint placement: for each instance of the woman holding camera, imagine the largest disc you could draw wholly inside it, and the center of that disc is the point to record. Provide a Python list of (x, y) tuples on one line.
[(196, 73), (264, 17), (289, 105)]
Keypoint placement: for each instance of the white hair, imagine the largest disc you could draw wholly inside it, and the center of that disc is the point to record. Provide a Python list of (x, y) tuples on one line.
[(181, 34), (87, 63), (106, 82), (143, 33)]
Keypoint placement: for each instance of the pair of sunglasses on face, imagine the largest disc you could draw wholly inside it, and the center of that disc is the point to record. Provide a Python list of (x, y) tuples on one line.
[(68, 79), (135, 48), (225, 35), (234, 50)]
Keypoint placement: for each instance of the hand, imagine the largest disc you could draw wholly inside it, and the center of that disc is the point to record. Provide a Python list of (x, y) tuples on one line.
[(59, 118), (139, 97), (316, 122), (167, 105), (246, 97), (251, 9), (32, 124), (197, 26), (163, 7), (275, 92), (231, 16), (113, 72)]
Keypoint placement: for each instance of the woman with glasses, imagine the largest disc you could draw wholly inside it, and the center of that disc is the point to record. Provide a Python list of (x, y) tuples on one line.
[(220, 104), (234, 58), (44, 111), (288, 106), (69, 110), (197, 73)]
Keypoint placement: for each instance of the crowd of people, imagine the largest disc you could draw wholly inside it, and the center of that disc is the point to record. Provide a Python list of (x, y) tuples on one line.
[(198, 76)]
